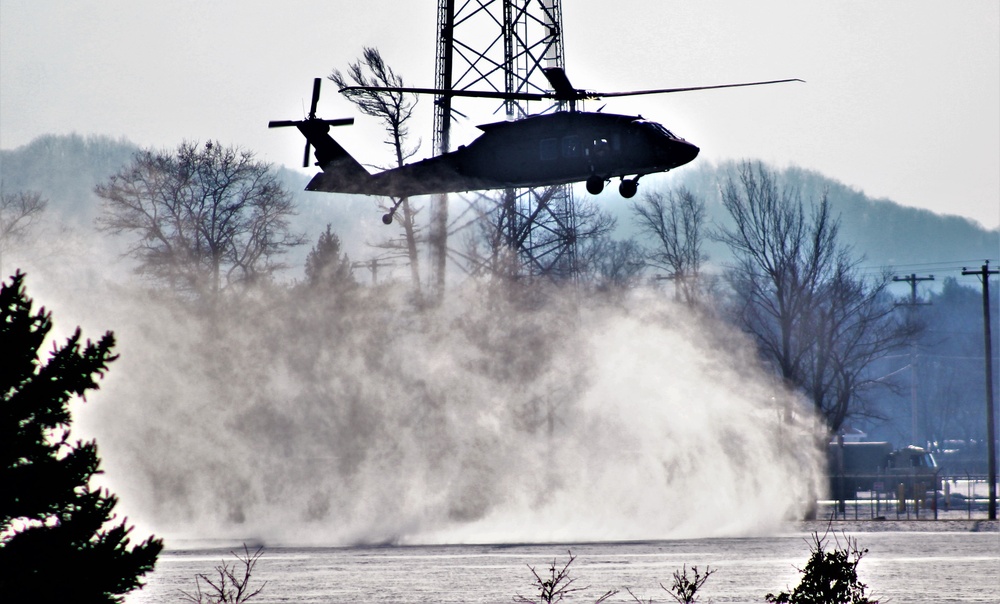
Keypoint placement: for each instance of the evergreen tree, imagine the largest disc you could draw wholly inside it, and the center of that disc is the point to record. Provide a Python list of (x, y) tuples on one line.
[(53, 542), (325, 265)]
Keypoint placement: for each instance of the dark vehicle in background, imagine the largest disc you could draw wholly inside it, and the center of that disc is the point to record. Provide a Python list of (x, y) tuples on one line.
[(960, 458), (875, 467)]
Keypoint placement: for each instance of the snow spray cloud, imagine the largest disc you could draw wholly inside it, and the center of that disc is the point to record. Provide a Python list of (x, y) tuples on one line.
[(305, 416)]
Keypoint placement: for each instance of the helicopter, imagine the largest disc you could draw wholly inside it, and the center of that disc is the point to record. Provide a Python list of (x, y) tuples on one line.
[(540, 150)]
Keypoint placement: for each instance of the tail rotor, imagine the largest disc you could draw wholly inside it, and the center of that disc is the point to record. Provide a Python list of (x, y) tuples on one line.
[(311, 119)]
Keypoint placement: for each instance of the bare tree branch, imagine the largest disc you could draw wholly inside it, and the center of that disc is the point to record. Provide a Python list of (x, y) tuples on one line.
[(17, 213)]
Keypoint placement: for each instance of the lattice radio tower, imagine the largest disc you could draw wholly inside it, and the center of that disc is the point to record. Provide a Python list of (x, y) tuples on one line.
[(502, 45)]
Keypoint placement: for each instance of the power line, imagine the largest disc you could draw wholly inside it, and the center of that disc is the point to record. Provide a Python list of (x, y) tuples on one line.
[(942, 265), (942, 262)]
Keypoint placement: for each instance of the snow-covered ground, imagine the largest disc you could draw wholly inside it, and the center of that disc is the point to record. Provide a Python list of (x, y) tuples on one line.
[(912, 562)]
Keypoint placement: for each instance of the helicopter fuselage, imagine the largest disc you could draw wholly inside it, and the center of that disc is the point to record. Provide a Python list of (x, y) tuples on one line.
[(537, 151)]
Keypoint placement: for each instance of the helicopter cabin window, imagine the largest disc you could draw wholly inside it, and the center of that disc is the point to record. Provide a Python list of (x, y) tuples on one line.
[(571, 146), (549, 149), (600, 148)]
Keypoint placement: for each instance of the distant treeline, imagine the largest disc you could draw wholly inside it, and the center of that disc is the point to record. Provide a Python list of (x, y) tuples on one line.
[(65, 169)]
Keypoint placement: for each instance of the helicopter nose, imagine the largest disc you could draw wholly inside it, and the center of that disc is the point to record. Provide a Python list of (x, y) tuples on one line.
[(675, 152), (684, 152)]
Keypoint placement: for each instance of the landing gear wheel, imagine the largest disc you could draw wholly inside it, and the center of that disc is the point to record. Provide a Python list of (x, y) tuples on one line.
[(388, 216), (595, 184), (628, 188)]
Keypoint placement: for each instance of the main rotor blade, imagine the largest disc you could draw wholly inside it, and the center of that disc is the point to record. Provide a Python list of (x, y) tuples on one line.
[(560, 83), (561, 93), (486, 94), (599, 95), (315, 97), (344, 121)]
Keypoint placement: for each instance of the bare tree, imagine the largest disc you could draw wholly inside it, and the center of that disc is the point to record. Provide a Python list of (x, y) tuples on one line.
[(204, 217), (613, 264), (395, 110), (799, 293), (782, 257), (18, 211), (676, 221)]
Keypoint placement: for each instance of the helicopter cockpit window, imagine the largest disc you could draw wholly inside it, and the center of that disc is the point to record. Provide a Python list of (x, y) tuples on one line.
[(548, 149), (658, 128), (571, 146)]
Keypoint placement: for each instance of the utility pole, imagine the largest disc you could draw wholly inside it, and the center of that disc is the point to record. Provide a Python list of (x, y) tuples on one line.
[(373, 264), (913, 279), (984, 276)]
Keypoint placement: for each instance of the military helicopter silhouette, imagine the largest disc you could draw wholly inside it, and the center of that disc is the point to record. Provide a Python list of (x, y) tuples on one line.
[(540, 150)]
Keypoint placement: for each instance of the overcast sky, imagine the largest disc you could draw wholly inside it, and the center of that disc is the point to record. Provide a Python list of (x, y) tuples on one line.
[(902, 98)]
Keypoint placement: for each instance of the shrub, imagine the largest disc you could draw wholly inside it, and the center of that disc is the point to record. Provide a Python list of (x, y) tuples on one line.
[(231, 585), (830, 577), (558, 585)]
